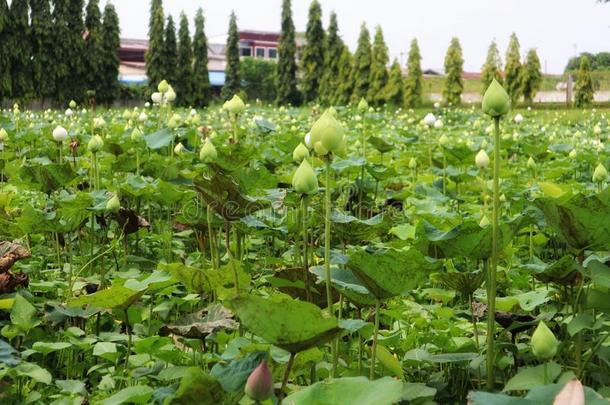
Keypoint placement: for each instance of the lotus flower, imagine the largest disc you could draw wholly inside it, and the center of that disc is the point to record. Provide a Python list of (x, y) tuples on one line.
[(259, 386)]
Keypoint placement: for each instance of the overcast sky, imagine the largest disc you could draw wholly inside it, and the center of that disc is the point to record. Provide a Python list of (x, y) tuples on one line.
[(556, 28)]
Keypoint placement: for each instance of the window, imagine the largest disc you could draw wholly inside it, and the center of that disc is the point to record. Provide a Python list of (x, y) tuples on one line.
[(245, 51), (260, 52), (272, 53)]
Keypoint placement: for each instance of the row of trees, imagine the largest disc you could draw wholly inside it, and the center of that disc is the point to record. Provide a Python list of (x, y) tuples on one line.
[(48, 51)]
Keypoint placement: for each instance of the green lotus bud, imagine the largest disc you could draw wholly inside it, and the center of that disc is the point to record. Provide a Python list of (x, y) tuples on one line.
[(95, 144), (443, 140), (320, 149), (482, 159), (412, 163), (304, 180), (328, 131), (170, 96), (600, 174), (531, 163), (114, 204), (179, 148), (175, 121), (544, 344), (234, 106), (573, 153), (163, 87), (496, 101), (300, 152), (484, 222), (208, 153), (72, 104), (136, 135), (126, 114), (363, 105), (3, 135), (259, 386)]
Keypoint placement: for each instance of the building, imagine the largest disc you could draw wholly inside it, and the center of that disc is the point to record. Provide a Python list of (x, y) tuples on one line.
[(258, 44)]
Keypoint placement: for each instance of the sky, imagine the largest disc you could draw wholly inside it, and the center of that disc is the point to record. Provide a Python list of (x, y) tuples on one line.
[(558, 29)]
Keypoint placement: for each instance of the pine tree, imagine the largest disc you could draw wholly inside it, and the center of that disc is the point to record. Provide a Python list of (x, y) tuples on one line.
[(184, 83), (232, 79), (43, 63), (395, 89), (379, 70), (5, 62), (312, 63), (170, 52), (492, 69), (74, 82), (583, 88), (108, 89), (512, 71), (20, 49), (345, 82), (93, 45), (202, 90), (361, 74), (154, 56), (454, 63), (287, 91), (60, 50), (532, 76), (414, 82), (332, 62)]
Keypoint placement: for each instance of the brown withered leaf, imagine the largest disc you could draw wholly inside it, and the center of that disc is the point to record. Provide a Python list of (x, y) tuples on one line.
[(202, 323), (10, 253), (130, 221)]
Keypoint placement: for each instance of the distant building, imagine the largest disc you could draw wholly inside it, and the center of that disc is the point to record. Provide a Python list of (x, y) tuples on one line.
[(258, 44)]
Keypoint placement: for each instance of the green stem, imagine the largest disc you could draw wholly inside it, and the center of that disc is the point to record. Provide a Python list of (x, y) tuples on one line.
[(305, 243), (374, 348), (286, 375), (327, 205), (128, 339), (211, 236)]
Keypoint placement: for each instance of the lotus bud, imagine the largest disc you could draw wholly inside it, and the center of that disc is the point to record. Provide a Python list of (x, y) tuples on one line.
[(600, 174), (157, 98), (484, 222), (142, 117), (320, 149), (304, 180), (300, 152), (170, 96), (72, 104), (136, 135), (99, 122), (163, 86), (484, 144), (234, 106), (482, 159), (147, 105), (531, 163), (175, 121), (95, 144), (429, 119), (126, 114), (114, 204), (179, 148), (543, 342), (438, 124), (69, 112), (443, 140), (328, 131), (60, 134), (573, 153), (437, 105), (259, 386), (308, 140), (412, 163), (518, 118), (3, 135), (208, 152), (363, 105), (597, 130), (496, 101)]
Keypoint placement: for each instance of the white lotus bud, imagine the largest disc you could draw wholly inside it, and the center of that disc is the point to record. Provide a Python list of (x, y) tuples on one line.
[(429, 119), (482, 159), (142, 117), (438, 124), (60, 134), (518, 118), (157, 98), (69, 112)]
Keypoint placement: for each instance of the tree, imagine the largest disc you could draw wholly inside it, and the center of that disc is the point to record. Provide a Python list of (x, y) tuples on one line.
[(345, 84), (287, 92), (43, 63), (332, 62), (379, 70), (512, 71), (583, 89), (156, 39), (108, 89), (232, 79), (454, 63), (259, 79), (492, 69), (170, 52), (60, 50), (184, 79), (20, 49), (532, 76), (395, 89), (312, 63), (5, 62), (414, 82), (202, 90), (361, 74), (93, 45), (74, 81)]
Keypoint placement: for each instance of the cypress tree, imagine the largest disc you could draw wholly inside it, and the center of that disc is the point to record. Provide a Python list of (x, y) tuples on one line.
[(532, 76), (74, 82), (492, 69), (232, 78), (154, 55), (414, 82), (5, 63), (43, 63), (345, 82), (202, 90), (60, 50), (395, 89), (583, 88), (170, 52), (184, 83), (454, 63), (109, 67), (287, 92), (332, 62), (93, 46), (512, 71), (20, 49), (361, 74), (379, 70), (312, 63)]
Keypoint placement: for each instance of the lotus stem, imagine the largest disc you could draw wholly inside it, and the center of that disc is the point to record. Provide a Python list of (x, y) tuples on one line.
[(305, 243), (286, 375), (327, 205), (374, 348)]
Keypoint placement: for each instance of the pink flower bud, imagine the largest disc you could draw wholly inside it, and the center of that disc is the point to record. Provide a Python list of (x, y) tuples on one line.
[(259, 386)]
